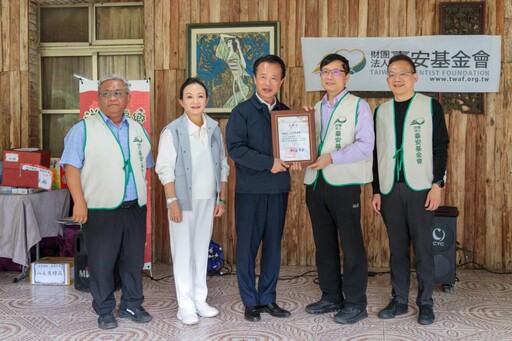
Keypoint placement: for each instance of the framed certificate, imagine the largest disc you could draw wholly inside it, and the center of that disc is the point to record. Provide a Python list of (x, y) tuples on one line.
[(293, 136)]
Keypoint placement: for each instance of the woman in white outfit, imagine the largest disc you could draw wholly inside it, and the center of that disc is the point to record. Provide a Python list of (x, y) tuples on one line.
[(193, 168)]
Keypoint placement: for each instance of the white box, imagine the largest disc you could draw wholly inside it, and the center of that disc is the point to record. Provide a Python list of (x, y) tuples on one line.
[(53, 271)]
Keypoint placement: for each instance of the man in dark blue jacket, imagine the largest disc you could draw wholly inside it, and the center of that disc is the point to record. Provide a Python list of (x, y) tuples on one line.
[(262, 187)]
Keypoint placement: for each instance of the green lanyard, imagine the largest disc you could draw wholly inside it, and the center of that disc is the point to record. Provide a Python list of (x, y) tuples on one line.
[(399, 154), (399, 161), (128, 170)]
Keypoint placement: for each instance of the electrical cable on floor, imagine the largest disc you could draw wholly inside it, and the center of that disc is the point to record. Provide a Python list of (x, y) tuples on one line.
[(377, 273), (305, 274), (157, 279), (224, 269), (484, 268), (227, 269), (464, 250)]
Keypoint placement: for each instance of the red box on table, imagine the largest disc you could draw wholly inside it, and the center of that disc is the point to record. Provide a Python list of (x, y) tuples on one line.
[(15, 160)]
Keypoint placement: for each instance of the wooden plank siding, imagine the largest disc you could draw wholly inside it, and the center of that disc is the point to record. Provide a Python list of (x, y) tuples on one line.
[(18, 96), (480, 157)]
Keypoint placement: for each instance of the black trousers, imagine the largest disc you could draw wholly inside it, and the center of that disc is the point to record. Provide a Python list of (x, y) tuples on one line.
[(259, 219), (406, 219), (110, 236), (337, 211)]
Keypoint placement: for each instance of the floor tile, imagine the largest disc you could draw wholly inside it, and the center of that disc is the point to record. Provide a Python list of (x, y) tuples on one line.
[(479, 307)]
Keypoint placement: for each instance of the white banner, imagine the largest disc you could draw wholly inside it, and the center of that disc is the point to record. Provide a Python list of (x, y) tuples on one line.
[(456, 63)]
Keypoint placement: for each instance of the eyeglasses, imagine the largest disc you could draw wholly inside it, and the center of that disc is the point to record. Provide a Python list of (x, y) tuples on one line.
[(334, 72), (400, 75), (116, 94)]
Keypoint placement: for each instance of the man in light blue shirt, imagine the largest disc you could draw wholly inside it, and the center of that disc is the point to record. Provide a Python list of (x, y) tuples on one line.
[(105, 157)]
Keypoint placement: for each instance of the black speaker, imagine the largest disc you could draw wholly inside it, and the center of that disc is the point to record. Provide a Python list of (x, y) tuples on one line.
[(444, 235), (82, 267), (81, 261)]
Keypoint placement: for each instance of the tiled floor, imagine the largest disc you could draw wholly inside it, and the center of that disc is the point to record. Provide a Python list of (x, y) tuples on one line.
[(479, 308)]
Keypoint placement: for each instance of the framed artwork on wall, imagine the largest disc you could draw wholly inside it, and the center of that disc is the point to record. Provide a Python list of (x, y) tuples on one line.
[(222, 56)]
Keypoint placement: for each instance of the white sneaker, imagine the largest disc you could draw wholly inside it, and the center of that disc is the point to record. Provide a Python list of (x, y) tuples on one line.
[(205, 310), (187, 316)]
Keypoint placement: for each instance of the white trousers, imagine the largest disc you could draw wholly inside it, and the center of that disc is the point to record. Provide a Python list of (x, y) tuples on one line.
[(189, 249)]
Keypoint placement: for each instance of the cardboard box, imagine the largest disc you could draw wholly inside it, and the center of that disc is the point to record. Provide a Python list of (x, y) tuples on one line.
[(13, 157), (53, 271), (29, 176), (27, 167), (59, 175)]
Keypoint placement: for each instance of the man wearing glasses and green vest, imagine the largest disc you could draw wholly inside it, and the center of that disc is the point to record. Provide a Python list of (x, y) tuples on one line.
[(345, 142), (409, 167)]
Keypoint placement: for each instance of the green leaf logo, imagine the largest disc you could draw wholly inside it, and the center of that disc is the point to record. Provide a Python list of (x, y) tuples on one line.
[(418, 121), (355, 57)]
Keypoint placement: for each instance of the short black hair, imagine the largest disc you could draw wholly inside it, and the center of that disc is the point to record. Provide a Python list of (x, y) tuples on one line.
[(333, 57), (192, 80), (272, 59), (402, 57)]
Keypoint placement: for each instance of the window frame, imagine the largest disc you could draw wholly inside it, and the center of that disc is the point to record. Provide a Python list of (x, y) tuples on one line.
[(93, 48)]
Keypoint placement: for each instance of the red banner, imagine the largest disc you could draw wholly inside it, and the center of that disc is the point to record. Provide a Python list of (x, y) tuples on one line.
[(139, 110)]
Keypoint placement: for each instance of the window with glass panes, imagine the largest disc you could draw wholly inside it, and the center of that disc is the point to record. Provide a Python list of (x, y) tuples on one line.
[(86, 41)]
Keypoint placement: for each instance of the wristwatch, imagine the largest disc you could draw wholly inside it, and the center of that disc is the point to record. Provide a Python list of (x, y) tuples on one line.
[(440, 183), (171, 200)]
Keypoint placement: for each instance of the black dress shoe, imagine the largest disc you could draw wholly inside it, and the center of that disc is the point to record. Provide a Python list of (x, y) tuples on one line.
[(322, 307), (393, 309), (350, 315), (426, 315), (274, 310), (252, 314)]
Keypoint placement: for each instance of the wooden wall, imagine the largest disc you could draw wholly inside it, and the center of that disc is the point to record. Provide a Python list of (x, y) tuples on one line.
[(480, 160), (479, 175), (18, 94)]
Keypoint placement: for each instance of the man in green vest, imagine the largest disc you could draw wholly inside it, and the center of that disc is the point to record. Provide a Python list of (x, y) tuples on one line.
[(106, 156), (411, 150), (345, 139)]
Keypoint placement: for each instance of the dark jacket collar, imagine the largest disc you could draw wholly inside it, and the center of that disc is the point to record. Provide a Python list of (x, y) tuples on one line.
[(259, 105)]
